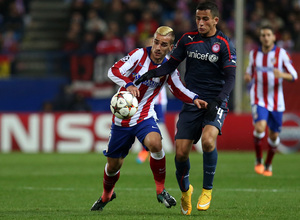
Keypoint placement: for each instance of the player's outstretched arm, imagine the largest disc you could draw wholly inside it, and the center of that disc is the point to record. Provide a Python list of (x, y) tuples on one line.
[(164, 69), (145, 76), (283, 75)]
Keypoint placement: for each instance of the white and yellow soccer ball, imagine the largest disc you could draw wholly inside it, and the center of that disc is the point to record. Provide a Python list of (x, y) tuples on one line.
[(124, 105)]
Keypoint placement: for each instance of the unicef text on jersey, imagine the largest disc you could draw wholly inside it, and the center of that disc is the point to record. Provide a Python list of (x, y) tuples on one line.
[(203, 56)]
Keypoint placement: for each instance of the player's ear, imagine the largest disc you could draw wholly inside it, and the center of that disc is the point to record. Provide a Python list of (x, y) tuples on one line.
[(216, 19), (171, 47)]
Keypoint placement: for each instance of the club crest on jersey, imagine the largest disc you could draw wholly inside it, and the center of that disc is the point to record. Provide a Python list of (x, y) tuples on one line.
[(273, 60), (216, 47)]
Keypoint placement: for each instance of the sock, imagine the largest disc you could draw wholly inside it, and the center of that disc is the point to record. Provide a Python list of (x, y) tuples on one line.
[(158, 167), (272, 147), (209, 167), (109, 181), (257, 137), (182, 174)]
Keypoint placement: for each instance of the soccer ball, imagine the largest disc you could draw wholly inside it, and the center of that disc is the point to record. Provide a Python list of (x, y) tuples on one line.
[(124, 105)]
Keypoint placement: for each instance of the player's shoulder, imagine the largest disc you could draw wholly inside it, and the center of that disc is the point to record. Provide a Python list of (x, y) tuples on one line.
[(224, 41), (283, 53), (255, 51), (192, 33), (189, 35), (222, 37), (278, 51), (137, 51), (281, 49), (135, 54)]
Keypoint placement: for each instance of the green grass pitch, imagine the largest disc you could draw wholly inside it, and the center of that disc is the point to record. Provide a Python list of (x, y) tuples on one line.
[(64, 186)]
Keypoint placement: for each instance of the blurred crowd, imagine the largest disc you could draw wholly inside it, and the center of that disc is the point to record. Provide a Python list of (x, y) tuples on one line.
[(14, 15), (112, 26), (282, 15)]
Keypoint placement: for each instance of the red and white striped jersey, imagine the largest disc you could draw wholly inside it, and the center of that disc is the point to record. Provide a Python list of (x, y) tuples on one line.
[(129, 69), (266, 90), (161, 98)]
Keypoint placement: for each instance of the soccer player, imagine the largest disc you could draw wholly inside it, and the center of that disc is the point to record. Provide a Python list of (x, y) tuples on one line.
[(210, 73), (143, 124), (268, 67)]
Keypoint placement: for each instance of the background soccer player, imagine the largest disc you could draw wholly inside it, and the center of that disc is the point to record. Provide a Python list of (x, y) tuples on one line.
[(210, 72), (143, 124), (268, 67)]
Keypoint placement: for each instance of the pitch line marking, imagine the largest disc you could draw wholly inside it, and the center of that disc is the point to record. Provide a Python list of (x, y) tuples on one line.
[(169, 189)]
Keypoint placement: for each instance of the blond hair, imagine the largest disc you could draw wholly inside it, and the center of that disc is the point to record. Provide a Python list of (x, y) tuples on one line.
[(166, 31)]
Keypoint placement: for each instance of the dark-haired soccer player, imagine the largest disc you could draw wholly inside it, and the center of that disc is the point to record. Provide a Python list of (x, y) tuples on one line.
[(268, 66), (210, 73)]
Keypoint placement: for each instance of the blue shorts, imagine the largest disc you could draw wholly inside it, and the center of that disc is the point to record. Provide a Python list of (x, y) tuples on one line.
[(121, 139), (160, 113), (191, 123), (274, 118)]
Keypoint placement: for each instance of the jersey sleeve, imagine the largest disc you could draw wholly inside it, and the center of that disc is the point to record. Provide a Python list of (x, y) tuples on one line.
[(228, 54), (178, 89), (179, 53), (228, 59), (287, 63), (120, 72)]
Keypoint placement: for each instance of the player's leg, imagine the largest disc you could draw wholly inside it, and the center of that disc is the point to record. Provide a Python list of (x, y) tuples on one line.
[(182, 163), (275, 123), (258, 135), (210, 133), (189, 129), (143, 155), (157, 159), (210, 155), (160, 109), (259, 116), (120, 142), (273, 143), (148, 133), (210, 158), (110, 177)]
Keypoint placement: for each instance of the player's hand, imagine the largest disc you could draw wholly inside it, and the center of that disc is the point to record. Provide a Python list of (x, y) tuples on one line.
[(277, 73), (247, 78), (133, 90), (212, 109), (200, 103), (145, 76)]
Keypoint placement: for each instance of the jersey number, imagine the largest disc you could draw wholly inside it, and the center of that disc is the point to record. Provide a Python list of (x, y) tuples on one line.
[(220, 112)]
